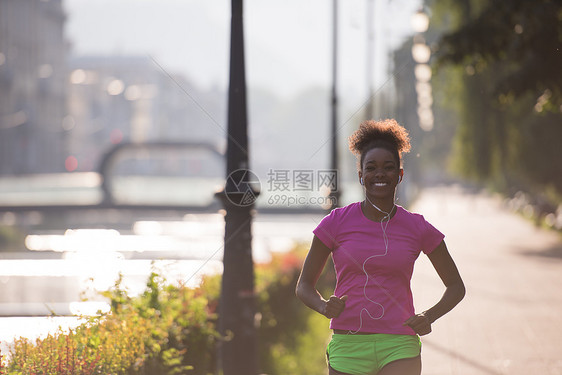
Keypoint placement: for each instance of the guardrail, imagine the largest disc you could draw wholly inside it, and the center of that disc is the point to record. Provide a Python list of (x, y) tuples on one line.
[(102, 182), (109, 158), (104, 179)]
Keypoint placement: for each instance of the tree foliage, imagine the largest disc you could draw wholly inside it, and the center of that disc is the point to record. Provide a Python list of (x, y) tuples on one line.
[(524, 36), (500, 62)]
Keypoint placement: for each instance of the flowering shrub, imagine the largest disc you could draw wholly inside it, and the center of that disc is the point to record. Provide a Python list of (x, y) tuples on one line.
[(2, 368), (113, 344), (182, 335), (171, 329), (165, 331), (292, 337)]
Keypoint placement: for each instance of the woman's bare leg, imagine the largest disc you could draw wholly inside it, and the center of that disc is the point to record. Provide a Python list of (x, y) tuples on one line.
[(335, 372), (406, 366)]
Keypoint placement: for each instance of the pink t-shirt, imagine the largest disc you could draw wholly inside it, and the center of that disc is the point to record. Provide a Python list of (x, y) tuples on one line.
[(376, 280)]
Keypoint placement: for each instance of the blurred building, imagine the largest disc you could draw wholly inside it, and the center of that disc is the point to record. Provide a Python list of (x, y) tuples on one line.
[(32, 86), (112, 99)]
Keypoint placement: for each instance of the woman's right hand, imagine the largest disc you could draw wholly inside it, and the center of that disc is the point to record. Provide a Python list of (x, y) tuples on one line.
[(334, 306)]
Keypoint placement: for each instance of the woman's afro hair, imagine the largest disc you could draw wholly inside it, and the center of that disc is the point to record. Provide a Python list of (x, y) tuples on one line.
[(371, 132)]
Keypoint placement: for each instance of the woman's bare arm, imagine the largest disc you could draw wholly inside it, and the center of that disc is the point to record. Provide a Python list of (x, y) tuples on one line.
[(306, 286), (454, 291)]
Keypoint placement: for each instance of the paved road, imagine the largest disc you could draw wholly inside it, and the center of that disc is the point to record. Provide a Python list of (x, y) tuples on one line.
[(510, 319)]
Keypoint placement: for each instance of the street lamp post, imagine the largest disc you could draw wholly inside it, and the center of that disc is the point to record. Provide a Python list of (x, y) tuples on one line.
[(238, 350), (421, 54), (335, 193), (369, 109)]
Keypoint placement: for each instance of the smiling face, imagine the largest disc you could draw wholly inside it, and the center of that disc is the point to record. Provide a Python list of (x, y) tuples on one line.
[(380, 172)]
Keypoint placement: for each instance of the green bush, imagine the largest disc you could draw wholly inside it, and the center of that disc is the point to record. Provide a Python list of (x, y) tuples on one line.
[(292, 338), (171, 329), (183, 336), (166, 330), (11, 237), (112, 345)]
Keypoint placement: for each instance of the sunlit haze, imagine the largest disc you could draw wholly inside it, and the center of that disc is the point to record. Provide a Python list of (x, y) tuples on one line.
[(288, 44)]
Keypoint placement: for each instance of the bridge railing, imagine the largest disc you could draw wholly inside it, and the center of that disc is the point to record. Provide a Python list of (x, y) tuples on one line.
[(97, 190), (114, 187)]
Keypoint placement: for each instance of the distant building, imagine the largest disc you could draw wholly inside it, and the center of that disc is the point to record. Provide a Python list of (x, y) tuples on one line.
[(32, 86), (112, 99)]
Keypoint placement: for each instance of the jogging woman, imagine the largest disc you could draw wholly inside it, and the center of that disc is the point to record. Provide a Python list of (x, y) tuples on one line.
[(374, 244)]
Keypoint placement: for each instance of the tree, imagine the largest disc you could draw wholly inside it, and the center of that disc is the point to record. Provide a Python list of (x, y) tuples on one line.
[(524, 36), (499, 63)]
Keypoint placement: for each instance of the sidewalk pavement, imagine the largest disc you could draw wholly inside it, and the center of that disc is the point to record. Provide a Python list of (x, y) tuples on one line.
[(510, 319)]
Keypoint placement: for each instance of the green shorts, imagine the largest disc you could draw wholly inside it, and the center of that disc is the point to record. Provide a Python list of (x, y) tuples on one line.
[(367, 354)]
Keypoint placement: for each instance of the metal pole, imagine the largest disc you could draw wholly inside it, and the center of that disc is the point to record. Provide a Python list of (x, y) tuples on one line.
[(334, 104), (369, 110), (237, 303)]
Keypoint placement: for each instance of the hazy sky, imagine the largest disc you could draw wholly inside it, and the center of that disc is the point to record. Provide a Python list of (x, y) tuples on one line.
[(288, 42)]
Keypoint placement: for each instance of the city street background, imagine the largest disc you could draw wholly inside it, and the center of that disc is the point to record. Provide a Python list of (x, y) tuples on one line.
[(128, 130)]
